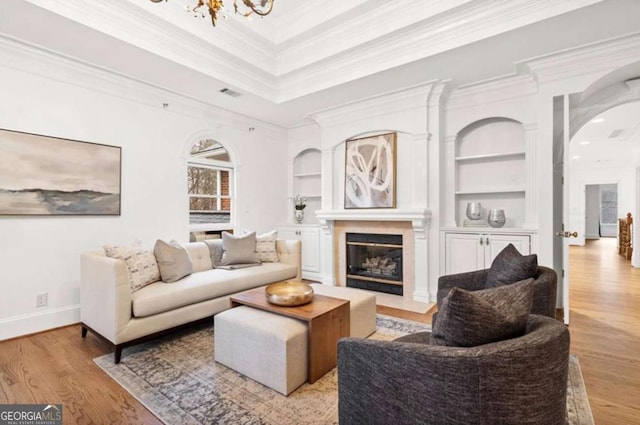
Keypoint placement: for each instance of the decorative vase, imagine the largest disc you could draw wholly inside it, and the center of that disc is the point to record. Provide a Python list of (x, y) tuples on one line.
[(496, 218), (299, 216), (473, 210)]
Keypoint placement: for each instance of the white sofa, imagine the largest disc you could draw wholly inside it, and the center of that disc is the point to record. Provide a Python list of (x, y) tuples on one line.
[(111, 311)]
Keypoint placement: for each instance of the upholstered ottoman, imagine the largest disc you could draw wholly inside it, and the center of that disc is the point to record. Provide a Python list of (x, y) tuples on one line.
[(362, 304), (266, 347)]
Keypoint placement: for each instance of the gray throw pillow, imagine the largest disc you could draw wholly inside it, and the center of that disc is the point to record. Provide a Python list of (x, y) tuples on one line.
[(173, 259), (216, 249), (239, 249), (471, 318), (510, 266)]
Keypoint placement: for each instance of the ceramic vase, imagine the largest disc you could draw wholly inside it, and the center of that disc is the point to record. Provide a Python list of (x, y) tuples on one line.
[(299, 216), (473, 210), (496, 218)]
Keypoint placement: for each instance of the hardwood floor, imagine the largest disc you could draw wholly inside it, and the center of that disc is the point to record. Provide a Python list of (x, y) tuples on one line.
[(57, 366)]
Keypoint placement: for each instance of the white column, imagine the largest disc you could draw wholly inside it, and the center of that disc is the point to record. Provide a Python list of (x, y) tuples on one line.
[(530, 203)]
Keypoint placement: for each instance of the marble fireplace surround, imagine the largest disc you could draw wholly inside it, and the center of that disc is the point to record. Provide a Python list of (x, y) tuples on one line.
[(411, 224)]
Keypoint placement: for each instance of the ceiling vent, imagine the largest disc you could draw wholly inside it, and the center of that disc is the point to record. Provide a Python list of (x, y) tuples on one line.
[(616, 133), (230, 92)]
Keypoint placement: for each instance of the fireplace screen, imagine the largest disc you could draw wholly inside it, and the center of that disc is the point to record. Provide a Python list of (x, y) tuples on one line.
[(374, 262)]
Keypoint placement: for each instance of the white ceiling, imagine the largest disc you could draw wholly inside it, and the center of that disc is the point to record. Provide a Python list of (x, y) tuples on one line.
[(307, 55), (610, 140)]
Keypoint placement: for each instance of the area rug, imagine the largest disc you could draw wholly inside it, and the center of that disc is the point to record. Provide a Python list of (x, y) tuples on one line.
[(177, 379)]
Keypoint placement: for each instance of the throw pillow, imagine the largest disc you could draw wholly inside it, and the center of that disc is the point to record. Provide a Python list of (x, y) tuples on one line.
[(141, 264), (266, 247), (239, 249), (470, 318), (216, 248), (174, 261), (510, 266)]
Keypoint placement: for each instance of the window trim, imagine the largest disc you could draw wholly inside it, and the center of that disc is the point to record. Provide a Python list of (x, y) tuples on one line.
[(218, 166)]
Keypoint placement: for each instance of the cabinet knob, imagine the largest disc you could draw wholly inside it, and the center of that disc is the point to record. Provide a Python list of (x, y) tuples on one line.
[(481, 241), (487, 241)]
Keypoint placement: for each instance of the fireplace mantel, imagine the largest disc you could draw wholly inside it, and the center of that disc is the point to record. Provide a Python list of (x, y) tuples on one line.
[(419, 218)]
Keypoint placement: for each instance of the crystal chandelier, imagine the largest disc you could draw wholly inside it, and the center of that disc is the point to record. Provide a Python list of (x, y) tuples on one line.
[(248, 7)]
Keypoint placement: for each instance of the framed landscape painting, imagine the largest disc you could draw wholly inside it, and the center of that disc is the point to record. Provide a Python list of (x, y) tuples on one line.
[(370, 172), (41, 175)]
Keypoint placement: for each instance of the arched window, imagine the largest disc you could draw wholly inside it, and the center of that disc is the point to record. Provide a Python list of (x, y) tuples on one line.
[(210, 186)]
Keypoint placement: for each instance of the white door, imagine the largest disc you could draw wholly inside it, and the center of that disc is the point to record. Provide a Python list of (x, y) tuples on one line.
[(565, 233), (463, 252)]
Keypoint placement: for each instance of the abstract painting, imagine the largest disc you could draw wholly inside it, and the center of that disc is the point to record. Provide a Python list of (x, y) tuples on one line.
[(370, 172), (41, 175)]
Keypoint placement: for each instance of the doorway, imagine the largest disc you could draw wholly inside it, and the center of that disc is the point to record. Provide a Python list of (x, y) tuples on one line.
[(601, 211)]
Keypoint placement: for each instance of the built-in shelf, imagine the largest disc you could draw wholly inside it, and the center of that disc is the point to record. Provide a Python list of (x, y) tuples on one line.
[(491, 191), (307, 181), (307, 175), (491, 157)]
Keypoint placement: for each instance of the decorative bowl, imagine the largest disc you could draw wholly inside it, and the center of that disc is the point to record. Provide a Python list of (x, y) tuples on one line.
[(288, 293)]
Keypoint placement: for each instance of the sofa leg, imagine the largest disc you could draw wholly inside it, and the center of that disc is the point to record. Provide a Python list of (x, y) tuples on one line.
[(84, 332), (117, 355)]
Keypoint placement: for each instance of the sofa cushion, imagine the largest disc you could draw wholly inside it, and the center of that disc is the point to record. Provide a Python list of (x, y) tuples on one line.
[(471, 318), (239, 249), (159, 297), (200, 256), (266, 247), (173, 260), (510, 266), (141, 264)]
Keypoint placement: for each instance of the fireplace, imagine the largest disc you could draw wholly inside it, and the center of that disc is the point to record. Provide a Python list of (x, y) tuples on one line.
[(374, 262)]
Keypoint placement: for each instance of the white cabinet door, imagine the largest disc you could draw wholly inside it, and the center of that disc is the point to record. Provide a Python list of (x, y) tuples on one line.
[(494, 243), (463, 253), (310, 238)]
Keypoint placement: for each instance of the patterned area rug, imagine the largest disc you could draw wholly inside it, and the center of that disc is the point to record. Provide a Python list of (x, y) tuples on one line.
[(177, 379)]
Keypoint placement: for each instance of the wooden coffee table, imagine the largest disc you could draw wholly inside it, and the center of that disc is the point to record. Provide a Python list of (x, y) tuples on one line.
[(327, 319)]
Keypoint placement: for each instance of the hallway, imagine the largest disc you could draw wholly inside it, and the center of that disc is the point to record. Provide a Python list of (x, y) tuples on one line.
[(605, 330)]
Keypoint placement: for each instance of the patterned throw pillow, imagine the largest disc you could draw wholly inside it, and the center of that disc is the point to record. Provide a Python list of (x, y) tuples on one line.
[(266, 247), (141, 264), (471, 318), (510, 266)]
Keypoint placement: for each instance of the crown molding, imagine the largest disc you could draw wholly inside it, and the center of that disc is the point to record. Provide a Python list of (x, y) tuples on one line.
[(238, 57), (490, 91), (290, 69), (395, 101), (35, 60), (601, 56), (423, 39)]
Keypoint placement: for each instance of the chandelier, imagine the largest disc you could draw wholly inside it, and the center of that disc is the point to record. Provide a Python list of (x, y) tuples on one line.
[(248, 7)]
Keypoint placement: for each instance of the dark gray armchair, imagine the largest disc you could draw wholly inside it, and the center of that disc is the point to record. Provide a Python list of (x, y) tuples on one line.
[(544, 290), (519, 381)]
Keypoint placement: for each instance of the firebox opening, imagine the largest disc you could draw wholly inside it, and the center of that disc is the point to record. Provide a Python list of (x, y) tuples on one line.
[(374, 262)]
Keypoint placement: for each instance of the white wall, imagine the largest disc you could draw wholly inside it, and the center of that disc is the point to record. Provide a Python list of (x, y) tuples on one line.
[(46, 95)]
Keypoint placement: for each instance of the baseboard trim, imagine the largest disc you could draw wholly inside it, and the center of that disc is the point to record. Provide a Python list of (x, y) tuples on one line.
[(26, 324)]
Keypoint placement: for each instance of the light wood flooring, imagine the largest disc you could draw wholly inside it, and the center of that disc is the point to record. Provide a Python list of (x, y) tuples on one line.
[(57, 366)]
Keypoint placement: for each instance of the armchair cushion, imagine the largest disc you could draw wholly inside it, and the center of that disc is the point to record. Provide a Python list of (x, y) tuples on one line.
[(510, 266), (471, 318)]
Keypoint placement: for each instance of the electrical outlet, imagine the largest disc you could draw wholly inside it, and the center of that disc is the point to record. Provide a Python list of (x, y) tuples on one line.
[(42, 299)]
